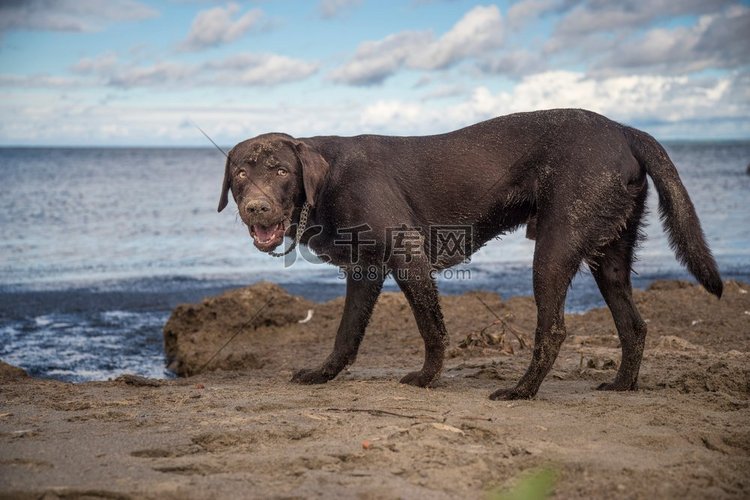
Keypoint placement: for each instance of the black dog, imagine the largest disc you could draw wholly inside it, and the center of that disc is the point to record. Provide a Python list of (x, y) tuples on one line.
[(576, 178)]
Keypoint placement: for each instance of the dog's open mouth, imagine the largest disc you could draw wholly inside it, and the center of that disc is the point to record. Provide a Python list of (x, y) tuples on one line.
[(266, 238)]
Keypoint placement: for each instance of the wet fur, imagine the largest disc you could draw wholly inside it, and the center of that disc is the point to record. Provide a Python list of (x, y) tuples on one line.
[(577, 179)]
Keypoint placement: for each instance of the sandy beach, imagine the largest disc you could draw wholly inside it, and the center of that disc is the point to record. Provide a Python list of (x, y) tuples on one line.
[(241, 429)]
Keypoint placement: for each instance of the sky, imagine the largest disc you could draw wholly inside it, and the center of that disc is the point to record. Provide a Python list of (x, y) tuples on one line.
[(131, 72)]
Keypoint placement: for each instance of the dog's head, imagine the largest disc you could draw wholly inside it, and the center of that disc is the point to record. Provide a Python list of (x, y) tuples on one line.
[(270, 177)]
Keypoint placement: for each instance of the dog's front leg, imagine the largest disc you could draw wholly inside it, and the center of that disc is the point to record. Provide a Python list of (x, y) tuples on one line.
[(419, 287), (362, 291)]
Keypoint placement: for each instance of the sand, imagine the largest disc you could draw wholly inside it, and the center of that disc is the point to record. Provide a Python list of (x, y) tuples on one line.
[(240, 429)]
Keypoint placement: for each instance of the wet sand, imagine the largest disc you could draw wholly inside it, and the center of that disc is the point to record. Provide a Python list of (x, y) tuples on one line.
[(240, 429)]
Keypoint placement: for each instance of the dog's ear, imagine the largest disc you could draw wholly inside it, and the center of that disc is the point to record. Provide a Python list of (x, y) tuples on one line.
[(314, 170), (224, 198)]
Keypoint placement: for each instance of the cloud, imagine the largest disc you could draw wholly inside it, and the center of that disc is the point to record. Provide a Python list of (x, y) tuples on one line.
[(593, 27), (600, 16), (99, 64), (34, 119), (260, 69), (329, 9), (41, 81), (614, 38), (387, 113), (375, 61), (715, 41), (630, 98), (514, 64), (658, 101), (418, 3), (216, 26), (444, 91), (478, 31), (160, 73), (669, 107), (524, 11), (236, 70), (69, 15)]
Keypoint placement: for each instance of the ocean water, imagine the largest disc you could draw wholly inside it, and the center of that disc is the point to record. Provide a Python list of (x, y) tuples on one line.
[(98, 245)]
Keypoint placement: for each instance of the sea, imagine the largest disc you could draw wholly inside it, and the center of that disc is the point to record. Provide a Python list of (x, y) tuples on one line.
[(98, 245)]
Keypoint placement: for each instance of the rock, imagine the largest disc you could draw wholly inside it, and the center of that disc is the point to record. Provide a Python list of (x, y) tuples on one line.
[(197, 334), (9, 372)]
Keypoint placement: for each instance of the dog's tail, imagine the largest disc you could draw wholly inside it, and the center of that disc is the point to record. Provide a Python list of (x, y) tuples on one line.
[(676, 211)]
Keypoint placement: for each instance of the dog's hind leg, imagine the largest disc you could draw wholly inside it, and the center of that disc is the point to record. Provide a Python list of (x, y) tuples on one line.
[(362, 292), (555, 264), (420, 289), (612, 274)]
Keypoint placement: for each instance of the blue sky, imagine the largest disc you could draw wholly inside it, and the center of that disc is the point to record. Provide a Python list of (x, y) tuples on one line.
[(130, 72)]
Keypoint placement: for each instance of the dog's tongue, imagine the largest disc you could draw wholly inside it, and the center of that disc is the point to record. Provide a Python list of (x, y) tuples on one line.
[(265, 233)]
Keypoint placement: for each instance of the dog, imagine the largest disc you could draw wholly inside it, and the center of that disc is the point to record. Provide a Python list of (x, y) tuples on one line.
[(577, 180)]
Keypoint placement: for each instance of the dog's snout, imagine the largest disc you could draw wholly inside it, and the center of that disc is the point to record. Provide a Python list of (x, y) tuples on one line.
[(257, 207)]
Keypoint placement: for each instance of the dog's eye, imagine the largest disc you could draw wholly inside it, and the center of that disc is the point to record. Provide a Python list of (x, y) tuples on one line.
[(282, 172)]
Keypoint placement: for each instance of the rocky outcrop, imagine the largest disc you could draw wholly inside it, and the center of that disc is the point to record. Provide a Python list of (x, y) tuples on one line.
[(263, 325), (8, 372), (218, 332)]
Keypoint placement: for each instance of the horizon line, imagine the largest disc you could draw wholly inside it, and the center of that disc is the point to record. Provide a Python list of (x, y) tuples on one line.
[(209, 146)]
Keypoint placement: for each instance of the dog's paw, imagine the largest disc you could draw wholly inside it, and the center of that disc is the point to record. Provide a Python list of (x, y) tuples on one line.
[(316, 376), (419, 379), (510, 394), (617, 386)]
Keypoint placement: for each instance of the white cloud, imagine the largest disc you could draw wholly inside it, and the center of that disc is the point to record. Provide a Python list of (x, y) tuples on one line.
[(236, 70), (41, 81), (102, 63), (382, 114), (477, 32), (628, 98), (69, 15), (632, 99), (216, 26), (161, 73), (332, 8), (260, 69), (675, 106), (47, 120), (376, 61)]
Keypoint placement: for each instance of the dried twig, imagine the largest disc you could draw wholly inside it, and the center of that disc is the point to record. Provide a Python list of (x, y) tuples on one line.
[(376, 412)]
